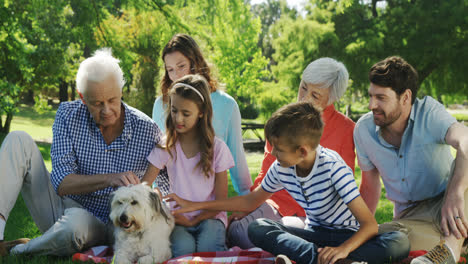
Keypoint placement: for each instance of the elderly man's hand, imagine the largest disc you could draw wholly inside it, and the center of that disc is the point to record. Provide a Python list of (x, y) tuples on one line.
[(123, 179)]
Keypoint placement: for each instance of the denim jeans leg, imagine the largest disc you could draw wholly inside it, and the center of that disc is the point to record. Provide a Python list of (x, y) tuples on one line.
[(278, 239), (384, 248), (182, 241), (211, 236)]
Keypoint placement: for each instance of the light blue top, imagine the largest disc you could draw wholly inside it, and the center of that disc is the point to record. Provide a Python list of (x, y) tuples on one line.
[(420, 168), (324, 193), (227, 126)]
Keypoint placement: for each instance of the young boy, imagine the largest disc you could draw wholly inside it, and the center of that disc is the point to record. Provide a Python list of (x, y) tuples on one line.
[(339, 224)]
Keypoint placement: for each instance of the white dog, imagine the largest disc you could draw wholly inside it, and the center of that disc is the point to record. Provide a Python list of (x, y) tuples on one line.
[(143, 225)]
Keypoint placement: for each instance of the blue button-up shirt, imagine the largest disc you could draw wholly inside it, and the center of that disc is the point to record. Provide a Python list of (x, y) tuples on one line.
[(420, 168), (78, 147)]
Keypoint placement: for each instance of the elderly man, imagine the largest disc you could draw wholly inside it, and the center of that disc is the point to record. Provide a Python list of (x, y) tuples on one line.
[(99, 143), (406, 142)]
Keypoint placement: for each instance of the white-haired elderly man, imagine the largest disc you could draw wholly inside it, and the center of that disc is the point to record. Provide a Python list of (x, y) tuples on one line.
[(324, 81), (99, 143)]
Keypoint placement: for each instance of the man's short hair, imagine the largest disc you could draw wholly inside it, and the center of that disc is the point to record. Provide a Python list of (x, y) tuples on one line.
[(396, 73), (297, 123), (98, 68)]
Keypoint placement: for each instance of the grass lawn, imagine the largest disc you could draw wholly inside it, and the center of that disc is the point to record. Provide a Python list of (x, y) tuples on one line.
[(39, 126)]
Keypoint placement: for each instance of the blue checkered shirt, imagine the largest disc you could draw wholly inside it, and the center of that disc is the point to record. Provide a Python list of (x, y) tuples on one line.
[(78, 147)]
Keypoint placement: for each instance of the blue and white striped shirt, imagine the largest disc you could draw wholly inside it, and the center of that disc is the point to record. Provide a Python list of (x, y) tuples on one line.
[(324, 193), (78, 147)]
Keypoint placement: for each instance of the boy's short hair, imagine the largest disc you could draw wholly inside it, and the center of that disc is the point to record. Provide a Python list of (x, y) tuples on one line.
[(296, 122), (396, 73)]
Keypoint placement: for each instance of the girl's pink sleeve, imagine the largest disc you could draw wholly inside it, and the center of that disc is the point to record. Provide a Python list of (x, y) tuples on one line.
[(222, 157), (158, 157)]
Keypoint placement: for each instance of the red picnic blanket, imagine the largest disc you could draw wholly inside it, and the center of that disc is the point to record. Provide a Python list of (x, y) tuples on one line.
[(104, 254)]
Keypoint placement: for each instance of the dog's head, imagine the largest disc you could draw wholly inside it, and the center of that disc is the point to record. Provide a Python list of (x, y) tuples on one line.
[(134, 207)]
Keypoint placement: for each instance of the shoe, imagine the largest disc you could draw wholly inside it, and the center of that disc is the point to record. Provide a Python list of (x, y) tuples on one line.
[(6, 246), (440, 254), (282, 259)]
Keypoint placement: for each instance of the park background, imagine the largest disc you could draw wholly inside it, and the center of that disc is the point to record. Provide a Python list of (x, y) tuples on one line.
[(258, 51)]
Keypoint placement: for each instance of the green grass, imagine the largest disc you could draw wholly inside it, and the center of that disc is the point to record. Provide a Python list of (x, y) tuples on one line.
[(39, 126)]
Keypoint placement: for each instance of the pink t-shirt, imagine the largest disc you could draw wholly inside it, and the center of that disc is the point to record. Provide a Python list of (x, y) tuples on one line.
[(191, 183)]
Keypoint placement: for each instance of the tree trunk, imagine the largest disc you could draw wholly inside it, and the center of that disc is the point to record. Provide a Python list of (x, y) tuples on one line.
[(5, 128), (73, 91), (349, 112), (28, 97), (63, 91)]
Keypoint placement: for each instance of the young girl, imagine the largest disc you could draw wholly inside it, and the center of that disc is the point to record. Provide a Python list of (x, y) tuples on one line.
[(182, 56), (197, 164)]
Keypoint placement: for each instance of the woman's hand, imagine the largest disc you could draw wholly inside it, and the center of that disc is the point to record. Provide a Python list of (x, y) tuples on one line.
[(329, 255)]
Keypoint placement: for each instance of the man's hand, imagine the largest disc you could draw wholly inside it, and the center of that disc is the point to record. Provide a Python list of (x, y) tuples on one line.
[(453, 215), (180, 219), (123, 179), (329, 255)]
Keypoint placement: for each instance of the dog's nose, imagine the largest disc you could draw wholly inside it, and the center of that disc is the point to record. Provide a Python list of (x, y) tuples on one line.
[(123, 218)]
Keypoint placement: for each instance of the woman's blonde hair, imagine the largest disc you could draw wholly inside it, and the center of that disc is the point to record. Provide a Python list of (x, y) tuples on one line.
[(196, 89)]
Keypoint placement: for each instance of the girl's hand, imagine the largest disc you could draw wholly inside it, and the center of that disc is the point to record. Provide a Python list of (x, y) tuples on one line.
[(185, 205), (331, 254), (182, 220)]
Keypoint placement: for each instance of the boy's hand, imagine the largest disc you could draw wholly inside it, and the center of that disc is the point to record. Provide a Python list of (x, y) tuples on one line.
[(236, 216), (185, 206), (331, 254)]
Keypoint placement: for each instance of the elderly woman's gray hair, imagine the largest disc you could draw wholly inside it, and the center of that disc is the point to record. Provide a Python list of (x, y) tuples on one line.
[(328, 74), (98, 68)]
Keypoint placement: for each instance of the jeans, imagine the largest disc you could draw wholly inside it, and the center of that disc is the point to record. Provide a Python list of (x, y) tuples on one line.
[(208, 235), (237, 230), (301, 245)]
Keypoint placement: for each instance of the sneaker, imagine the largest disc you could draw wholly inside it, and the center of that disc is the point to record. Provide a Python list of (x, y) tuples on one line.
[(440, 254), (6, 246), (282, 259)]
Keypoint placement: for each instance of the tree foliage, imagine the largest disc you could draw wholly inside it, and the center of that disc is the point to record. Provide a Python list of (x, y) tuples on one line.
[(258, 52)]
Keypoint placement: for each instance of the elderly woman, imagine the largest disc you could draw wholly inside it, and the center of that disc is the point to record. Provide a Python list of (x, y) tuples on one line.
[(324, 81)]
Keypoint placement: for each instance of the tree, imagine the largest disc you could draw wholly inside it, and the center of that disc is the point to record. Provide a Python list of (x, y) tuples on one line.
[(232, 46), (31, 51), (430, 35), (137, 38)]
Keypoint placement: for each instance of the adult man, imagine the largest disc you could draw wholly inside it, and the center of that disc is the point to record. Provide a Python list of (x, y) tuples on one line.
[(99, 143), (406, 141)]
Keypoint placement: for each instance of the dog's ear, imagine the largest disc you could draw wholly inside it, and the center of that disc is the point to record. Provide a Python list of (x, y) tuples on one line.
[(109, 202), (156, 205), (111, 197)]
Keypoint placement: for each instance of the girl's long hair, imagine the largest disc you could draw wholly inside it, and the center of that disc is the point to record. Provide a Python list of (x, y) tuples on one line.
[(204, 125), (186, 45)]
